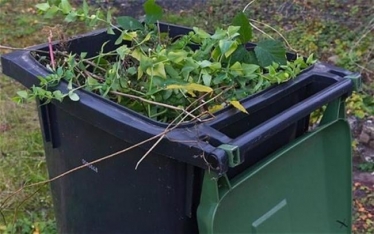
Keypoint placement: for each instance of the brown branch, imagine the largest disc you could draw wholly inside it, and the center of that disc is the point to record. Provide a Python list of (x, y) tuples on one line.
[(23, 201), (99, 78), (162, 134), (3, 217), (24, 49), (51, 50), (154, 103), (149, 150), (93, 64)]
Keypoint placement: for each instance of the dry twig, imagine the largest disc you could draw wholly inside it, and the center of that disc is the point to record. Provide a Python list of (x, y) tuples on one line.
[(160, 135), (51, 55)]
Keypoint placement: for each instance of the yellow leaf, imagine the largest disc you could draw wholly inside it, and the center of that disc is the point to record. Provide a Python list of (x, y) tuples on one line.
[(238, 106), (129, 36), (36, 230), (191, 93), (146, 38), (157, 70), (137, 54), (215, 108), (216, 53), (191, 87), (140, 73)]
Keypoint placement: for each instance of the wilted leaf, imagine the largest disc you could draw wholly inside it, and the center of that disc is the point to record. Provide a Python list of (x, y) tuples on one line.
[(238, 106), (191, 87), (177, 56), (157, 70), (129, 36), (146, 38), (137, 54), (215, 108), (140, 72)]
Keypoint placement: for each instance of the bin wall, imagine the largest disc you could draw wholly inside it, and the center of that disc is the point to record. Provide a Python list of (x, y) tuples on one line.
[(111, 196)]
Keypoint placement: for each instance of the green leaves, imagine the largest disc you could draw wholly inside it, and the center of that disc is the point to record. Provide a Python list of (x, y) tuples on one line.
[(153, 12), (65, 6), (23, 94), (147, 63), (157, 70), (129, 23), (43, 6), (71, 17), (201, 33), (86, 9), (123, 51), (245, 30), (270, 51), (73, 96), (58, 95), (227, 47)]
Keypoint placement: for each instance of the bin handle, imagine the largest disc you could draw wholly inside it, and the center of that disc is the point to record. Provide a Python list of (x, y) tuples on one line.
[(253, 137)]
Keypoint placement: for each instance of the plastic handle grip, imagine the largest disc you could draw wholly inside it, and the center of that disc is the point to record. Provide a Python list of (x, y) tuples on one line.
[(259, 134)]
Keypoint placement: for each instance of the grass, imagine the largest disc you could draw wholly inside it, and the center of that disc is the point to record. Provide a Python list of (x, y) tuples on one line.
[(21, 149), (21, 145), (341, 34)]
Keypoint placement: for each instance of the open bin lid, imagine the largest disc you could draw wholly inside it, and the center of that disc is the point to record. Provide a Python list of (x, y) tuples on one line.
[(305, 187)]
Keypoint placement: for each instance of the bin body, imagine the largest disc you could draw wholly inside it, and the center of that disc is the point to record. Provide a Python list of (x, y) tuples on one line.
[(164, 194), (111, 196)]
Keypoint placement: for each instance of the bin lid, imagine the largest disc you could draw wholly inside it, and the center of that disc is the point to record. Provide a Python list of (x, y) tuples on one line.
[(303, 188)]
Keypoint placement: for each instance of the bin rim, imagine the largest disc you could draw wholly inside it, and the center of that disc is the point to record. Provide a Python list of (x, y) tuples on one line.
[(23, 62)]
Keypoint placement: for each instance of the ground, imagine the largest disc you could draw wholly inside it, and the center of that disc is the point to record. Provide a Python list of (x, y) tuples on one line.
[(336, 31)]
